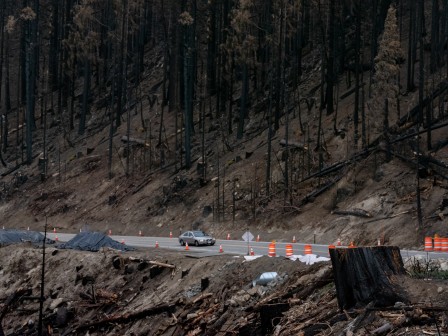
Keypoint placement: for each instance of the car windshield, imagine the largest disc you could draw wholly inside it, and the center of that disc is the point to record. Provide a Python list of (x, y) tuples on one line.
[(199, 234)]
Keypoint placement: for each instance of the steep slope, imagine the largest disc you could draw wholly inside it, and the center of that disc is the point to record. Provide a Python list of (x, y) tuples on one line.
[(359, 195)]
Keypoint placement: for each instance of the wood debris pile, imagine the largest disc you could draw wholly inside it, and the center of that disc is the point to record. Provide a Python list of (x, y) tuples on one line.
[(163, 296)]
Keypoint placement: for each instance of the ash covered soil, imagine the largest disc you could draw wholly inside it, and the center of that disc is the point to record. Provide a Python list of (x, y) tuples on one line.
[(161, 292)]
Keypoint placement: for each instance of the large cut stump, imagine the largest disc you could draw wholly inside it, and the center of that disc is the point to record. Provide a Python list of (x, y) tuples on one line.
[(367, 274)]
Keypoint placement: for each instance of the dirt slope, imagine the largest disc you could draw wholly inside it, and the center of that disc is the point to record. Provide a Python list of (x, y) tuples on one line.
[(202, 295)]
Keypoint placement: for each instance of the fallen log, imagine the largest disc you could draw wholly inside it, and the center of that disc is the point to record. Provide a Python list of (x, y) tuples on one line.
[(152, 262), (134, 141), (13, 298), (312, 195), (293, 144), (161, 264), (202, 297), (354, 212), (124, 318)]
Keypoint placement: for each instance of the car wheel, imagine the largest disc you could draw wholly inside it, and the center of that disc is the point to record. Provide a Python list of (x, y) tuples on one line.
[(182, 242), (196, 243)]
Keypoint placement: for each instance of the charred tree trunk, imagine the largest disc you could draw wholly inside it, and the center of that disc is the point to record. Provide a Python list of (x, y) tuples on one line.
[(362, 275), (85, 97), (331, 59)]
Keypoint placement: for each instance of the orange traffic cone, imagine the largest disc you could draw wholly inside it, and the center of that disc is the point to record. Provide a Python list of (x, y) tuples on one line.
[(56, 238), (54, 230), (252, 252), (379, 242), (258, 238), (110, 232), (140, 233), (228, 236), (28, 228), (352, 245), (122, 241), (220, 249), (294, 239), (157, 244), (339, 242), (171, 234), (186, 247)]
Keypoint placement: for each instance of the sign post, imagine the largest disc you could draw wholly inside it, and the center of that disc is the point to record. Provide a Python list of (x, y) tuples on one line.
[(248, 237)]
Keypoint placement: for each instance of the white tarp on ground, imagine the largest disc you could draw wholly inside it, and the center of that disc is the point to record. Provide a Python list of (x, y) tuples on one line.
[(250, 258), (308, 259)]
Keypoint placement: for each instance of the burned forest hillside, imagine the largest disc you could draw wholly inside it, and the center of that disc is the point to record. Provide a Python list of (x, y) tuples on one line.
[(324, 120)]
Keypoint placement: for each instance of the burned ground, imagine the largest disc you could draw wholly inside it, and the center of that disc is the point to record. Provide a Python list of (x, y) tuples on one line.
[(160, 292)]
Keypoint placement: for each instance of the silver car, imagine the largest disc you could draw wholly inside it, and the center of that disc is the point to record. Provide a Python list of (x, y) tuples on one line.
[(196, 238)]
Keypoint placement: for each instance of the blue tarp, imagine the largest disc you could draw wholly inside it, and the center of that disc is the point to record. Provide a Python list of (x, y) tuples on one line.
[(93, 241), (8, 237)]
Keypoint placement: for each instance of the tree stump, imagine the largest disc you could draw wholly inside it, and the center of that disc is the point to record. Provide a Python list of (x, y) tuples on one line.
[(366, 274)]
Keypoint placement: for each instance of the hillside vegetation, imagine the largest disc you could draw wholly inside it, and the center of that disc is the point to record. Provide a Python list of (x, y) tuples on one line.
[(324, 120)]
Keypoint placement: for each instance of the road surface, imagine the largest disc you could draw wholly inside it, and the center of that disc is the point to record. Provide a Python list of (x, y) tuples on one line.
[(238, 247)]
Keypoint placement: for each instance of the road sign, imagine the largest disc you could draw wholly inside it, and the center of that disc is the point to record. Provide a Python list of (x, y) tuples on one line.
[(247, 236)]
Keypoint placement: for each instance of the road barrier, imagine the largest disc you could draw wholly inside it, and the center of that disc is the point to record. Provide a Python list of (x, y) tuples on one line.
[(308, 249), (428, 244), (437, 244), (289, 252), (271, 250), (444, 244)]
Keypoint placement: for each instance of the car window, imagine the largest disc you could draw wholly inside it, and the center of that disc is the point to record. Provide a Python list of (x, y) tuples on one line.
[(190, 234), (199, 234)]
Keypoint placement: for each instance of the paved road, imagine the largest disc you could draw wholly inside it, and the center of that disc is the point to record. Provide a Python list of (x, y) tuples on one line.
[(238, 247)]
